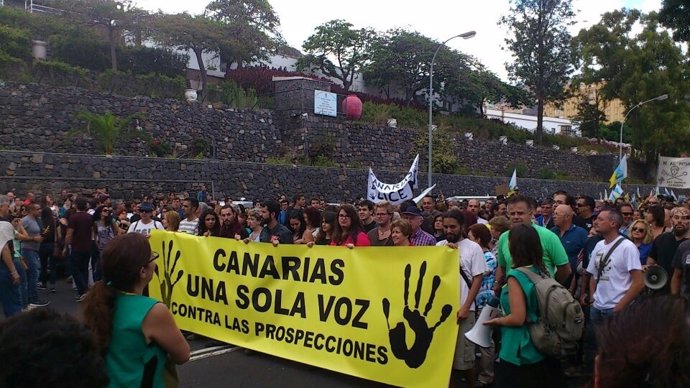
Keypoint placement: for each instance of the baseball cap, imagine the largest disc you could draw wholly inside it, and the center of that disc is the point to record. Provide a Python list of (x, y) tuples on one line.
[(413, 210), (146, 207)]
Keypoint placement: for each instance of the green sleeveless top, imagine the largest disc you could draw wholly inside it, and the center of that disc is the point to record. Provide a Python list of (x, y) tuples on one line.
[(130, 361), (516, 346)]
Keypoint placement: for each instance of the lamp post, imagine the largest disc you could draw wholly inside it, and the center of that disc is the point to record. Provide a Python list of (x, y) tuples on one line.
[(620, 144), (465, 35)]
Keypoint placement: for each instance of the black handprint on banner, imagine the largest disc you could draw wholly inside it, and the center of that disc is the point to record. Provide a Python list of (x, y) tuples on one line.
[(416, 354), (166, 283)]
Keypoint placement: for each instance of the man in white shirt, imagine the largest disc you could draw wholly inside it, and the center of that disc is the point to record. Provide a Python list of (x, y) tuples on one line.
[(472, 267), (190, 224), (146, 224), (614, 271)]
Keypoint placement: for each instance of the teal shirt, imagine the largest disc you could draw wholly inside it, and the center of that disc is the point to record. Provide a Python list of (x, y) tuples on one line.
[(554, 253), (516, 344), (130, 360)]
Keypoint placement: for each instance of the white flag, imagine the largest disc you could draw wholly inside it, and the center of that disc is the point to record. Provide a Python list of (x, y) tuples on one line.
[(512, 185)]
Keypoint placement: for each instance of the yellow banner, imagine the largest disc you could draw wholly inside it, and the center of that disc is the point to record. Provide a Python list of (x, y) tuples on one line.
[(383, 314)]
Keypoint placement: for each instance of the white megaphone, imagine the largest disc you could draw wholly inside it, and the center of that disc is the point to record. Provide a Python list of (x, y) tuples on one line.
[(480, 333), (655, 277)]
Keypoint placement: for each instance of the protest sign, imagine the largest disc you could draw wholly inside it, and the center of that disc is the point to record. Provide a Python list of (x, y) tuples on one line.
[(673, 172), (381, 313), (395, 193)]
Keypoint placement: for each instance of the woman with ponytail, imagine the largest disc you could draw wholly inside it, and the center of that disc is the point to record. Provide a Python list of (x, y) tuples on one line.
[(136, 333)]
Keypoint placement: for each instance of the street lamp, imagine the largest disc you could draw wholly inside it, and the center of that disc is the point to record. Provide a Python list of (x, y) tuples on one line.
[(620, 144), (465, 35)]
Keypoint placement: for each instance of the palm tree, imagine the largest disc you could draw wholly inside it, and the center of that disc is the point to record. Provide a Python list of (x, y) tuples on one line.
[(105, 128)]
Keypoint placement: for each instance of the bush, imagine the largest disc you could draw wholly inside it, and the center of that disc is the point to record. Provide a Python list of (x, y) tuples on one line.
[(11, 68), (231, 94), (153, 85), (81, 50), (59, 74), (145, 60), (15, 42)]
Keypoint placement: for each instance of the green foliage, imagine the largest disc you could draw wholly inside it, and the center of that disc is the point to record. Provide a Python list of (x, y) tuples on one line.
[(541, 47), (145, 60), (105, 128), (322, 148), (15, 42), (323, 161), (520, 167), (59, 74), (80, 50), (636, 67), (675, 14), (405, 116), (11, 68), (199, 146), (279, 161), (339, 39), (249, 29), (228, 92), (153, 85), (160, 148), (549, 174)]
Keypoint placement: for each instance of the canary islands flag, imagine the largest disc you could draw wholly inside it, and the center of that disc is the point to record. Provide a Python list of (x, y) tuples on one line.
[(616, 193), (620, 173)]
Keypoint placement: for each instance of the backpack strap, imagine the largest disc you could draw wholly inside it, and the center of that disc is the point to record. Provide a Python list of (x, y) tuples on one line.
[(533, 277), (607, 259)]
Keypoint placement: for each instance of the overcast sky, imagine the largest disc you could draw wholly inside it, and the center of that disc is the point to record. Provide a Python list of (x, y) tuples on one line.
[(437, 19)]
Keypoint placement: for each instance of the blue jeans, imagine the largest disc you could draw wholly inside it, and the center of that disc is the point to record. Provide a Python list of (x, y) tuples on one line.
[(34, 263), (79, 263), (23, 295), (597, 318), (9, 293)]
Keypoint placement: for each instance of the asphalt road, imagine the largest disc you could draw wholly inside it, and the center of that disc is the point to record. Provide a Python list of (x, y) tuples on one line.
[(224, 366)]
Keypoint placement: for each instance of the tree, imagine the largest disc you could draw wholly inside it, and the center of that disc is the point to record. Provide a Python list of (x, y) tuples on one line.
[(250, 29), (187, 32), (106, 128), (338, 50), (400, 58), (590, 117), (636, 67), (111, 15), (541, 47), (675, 14)]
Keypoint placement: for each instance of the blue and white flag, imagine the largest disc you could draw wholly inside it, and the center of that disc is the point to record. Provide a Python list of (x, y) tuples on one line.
[(616, 192), (512, 185)]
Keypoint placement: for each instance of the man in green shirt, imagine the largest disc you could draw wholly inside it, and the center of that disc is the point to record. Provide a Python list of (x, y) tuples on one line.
[(520, 210)]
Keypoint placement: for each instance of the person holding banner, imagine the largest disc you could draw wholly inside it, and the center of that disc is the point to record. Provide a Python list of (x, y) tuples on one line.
[(472, 269), (522, 365), (209, 224), (348, 230), (274, 232), (136, 333), (254, 223), (326, 231), (400, 233)]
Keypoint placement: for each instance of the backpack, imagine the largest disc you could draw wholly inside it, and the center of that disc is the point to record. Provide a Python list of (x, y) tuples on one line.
[(561, 320)]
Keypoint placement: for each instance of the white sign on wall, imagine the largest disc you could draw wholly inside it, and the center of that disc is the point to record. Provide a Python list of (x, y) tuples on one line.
[(325, 103)]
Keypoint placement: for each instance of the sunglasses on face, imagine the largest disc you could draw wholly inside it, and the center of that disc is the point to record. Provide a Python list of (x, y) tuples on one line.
[(643, 230)]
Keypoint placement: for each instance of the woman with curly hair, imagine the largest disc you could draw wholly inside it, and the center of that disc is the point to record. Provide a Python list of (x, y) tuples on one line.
[(209, 224)]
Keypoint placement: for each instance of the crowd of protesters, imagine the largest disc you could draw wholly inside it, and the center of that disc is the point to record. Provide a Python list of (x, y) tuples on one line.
[(599, 250)]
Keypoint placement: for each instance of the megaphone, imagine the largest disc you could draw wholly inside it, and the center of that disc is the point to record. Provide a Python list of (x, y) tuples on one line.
[(655, 277), (480, 333)]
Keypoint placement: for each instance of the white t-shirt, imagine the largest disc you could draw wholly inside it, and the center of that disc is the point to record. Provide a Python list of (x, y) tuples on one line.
[(615, 278), (145, 229), (189, 227), (472, 262)]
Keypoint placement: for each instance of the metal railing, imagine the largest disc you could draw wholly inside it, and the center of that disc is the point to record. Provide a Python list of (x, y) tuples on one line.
[(32, 7)]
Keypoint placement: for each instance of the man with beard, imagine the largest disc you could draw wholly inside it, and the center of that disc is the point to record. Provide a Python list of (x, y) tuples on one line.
[(472, 269), (274, 232), (665, 246), (230, 226)]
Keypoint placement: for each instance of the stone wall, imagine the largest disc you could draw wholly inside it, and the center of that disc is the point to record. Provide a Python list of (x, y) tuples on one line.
[(39, 118), (132, 177)]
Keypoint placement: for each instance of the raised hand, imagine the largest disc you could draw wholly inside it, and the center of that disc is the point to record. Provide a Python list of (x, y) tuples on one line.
[(415, 355)]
